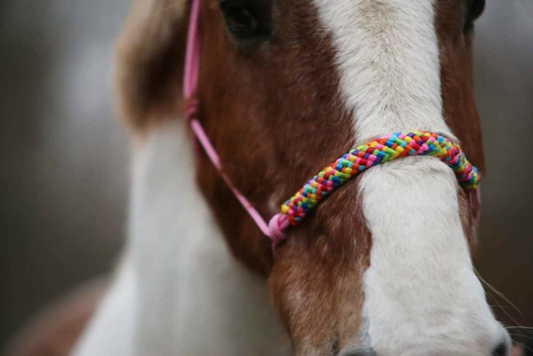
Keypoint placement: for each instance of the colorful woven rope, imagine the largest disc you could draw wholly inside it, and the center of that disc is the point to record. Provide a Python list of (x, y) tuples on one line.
[(387, 148)]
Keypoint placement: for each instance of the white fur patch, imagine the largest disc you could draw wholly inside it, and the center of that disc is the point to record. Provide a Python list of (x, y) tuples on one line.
[(192, 296), (421, 294), (422, 297)]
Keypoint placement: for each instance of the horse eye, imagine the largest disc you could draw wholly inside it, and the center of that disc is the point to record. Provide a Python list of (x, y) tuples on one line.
[(241, 20), (475, 9)]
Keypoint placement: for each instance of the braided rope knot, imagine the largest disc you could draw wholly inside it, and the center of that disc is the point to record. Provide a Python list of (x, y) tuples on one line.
[(277, 226), (191, 108), (381, 150)]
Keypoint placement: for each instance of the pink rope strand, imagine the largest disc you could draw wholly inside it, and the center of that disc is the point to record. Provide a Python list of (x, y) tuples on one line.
[(279, 222)]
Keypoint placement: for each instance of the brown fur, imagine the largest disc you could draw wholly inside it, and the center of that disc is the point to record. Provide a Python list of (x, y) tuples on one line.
[(291, 114), (268, 110)]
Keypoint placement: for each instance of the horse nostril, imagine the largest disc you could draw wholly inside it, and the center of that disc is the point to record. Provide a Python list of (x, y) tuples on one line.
[(500, 350), (359, 353)]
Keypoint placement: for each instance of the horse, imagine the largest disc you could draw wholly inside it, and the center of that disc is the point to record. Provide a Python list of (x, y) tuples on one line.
[(381, 267)]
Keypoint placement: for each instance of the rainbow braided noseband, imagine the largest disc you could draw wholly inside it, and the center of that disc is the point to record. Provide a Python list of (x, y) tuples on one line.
[(384, 149)]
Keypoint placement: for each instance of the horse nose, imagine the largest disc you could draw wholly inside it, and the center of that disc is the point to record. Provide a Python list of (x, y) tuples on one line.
[(367, 352), (505, 345), (501, 350)]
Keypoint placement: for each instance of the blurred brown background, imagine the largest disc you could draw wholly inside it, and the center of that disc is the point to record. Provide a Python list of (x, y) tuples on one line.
[(64, 159)]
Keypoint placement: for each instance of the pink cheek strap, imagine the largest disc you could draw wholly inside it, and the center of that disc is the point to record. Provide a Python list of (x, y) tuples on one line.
[(279, 223)]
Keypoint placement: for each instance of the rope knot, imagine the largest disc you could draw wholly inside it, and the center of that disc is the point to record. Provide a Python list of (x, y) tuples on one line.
[(277, 226), (191, 108)]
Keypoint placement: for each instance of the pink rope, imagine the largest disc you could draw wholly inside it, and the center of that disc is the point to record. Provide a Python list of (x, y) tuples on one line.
[(275, 228), (192, 54)]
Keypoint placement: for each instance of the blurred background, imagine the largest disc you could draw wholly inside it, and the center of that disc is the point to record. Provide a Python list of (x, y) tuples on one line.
[(64, 158)]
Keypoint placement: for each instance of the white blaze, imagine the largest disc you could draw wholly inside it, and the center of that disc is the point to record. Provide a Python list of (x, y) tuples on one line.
[(421, 294), (388, 59)]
